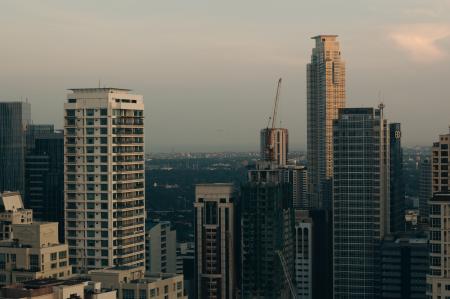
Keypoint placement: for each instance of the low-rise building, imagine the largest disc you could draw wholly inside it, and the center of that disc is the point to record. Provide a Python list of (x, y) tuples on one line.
[(33, 253), (12, 212), (57, 289), (133, 283)]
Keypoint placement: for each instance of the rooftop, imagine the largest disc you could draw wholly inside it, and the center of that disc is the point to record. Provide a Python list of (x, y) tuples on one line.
[(100, 89)]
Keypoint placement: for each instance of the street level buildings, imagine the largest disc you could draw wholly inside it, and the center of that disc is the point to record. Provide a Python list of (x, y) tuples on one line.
[(104, 178)]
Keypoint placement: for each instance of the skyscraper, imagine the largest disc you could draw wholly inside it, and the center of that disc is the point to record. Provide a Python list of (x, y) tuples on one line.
[(160, 247), (44, 179), (14, 120), (440, 179), (425, 189), (274, 145), (104, 178), (34, 132), (360, 201), (438, 279), (267, 220), (404, 265), (303, 253), (397, 184), (297, 177), (325, 95), (214, 241)]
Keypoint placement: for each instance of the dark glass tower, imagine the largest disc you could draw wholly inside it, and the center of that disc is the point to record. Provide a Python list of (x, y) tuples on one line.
[(45, 179), (267, 221), (14, 120), (360, 203), (397, 186)]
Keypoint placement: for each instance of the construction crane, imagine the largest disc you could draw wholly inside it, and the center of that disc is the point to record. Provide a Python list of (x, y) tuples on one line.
[(287, 274), (275, 106)]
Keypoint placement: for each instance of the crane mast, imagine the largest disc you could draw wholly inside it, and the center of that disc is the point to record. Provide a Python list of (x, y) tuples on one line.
[(275, 106)]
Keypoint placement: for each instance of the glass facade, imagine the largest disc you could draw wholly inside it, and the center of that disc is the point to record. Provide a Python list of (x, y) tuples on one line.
[(14, 120), (360, 211)]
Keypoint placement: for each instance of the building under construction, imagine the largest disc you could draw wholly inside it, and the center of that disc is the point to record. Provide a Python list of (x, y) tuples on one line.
[(267, 234)]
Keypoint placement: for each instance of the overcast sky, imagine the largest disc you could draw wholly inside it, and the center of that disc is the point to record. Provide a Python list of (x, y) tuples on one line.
[(208, 69)]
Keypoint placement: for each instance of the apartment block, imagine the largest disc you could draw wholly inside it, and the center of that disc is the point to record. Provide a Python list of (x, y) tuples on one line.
[(104, 178), (34, 253), (160, 247), (215, 238)]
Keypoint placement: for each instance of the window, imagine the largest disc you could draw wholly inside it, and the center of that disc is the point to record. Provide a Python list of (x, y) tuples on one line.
[(34, 262), (103, 112), (128, 294), (142, 294), (90, 112), (53, 256)]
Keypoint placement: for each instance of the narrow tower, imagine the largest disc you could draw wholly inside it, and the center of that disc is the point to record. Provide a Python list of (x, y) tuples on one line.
[(104, 178), (325, 95)]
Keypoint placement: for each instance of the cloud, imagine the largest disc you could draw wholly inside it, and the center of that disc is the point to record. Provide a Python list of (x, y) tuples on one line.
[(421, 41)]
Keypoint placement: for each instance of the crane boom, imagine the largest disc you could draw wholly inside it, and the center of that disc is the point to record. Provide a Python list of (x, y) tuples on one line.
[(275, 106)]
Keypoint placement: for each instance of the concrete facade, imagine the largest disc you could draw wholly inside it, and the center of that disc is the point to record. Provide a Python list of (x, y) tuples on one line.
[(214, 241), (160, 248), (33, 253), (104, 178)]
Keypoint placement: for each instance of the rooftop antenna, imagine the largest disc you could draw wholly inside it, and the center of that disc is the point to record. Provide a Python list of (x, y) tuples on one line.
[(99, 83)]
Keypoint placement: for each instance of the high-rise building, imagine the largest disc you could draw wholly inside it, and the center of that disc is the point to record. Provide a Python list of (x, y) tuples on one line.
[(297, 177), (160, 247), (303, 254), (360, 201), (44, 179), (439, 163), (397, 184), (104, 178), (274, 145), (325, 95), (215, 241), (425, 189), (14, 120), (438, 278), (267, 228), (404, 265), (34, 132)]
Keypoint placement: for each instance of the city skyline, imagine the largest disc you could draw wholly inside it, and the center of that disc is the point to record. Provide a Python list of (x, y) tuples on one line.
[(211, 57)]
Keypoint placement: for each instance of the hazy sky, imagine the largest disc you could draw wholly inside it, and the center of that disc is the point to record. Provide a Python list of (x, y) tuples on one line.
[(208, 69)]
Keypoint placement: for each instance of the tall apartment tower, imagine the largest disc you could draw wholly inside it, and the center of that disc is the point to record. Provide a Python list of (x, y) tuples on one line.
[(267, 228), (104, 178), (297, 177), (397, 185), (303, 253), (438, 280), (360, 201), (274, 145), (214, 241), (14, 120), (425, 189), (325, 95), (160, 247)]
